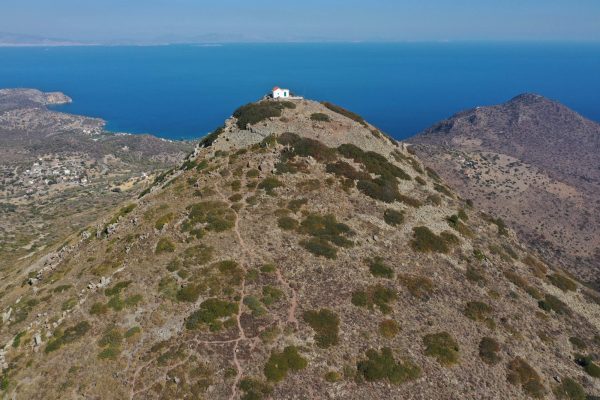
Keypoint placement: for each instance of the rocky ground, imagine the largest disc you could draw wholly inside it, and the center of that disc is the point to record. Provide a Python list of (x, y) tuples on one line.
[(298, 253), (534, 163)]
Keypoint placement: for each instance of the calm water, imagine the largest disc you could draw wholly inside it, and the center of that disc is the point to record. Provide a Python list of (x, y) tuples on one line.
[(186, 91)]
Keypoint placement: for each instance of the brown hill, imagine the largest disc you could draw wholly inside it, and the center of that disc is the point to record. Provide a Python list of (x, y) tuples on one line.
[(536, 164), (299, 253)]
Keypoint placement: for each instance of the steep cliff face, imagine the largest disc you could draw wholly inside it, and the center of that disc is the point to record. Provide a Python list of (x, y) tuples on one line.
[(299, 253), (534, 162)]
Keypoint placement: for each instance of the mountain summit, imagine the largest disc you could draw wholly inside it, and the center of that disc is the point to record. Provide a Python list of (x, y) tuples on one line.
[(297, 253)]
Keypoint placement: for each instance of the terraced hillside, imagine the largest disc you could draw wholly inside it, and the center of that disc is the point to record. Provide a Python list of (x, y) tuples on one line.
[(298, 253)]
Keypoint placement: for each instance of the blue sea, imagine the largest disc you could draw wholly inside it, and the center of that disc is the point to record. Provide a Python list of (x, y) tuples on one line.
[(186, 91)]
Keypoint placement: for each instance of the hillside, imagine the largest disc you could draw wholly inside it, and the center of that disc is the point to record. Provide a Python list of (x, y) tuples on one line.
[(298, 253), (533, 162), (54, 164)]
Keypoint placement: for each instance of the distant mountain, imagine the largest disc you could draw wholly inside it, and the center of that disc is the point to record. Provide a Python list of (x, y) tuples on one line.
[(297, 253), (536, 163), (17, 40)]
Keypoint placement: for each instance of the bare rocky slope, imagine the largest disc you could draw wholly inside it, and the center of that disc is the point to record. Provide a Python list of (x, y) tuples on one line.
[(536, 164), (54, 165), (298, 253)]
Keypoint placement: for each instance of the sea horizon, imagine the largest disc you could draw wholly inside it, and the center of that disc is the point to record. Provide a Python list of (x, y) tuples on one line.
[(184, 91)]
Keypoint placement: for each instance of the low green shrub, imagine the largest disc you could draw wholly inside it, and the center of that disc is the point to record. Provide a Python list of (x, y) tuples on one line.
[(164, 245), (578, 343), (475, 275), (255, 306), (373, 162), (562, 282), (393, 217), (345, 113), (320, 117), (117, 288), (343, 169), (377, 295), (280, 363), (320, 247), (379, 268), (269, 185), (254, 389), (382, 366), (521, 373), (98, 309), (287, 223), (420, 287), (210, 313), (425, 241), (189, 293), (488, 350), (569, 389), (442, 347), (296, 204), (215, 216), (164, 220), (271, 295), (588, 365), (479, 311), (327, 228), (70, 335), (254, 113), (553, 303), (389, 328), (539, 268), (209, 139), (325, 323)]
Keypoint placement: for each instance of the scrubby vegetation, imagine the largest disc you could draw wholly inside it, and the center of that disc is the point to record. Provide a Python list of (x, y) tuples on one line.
[(393, 217), (345, 113), (211, 313), (209, 139), (569, 389), (382, 366), (325, 323), (479, 311), (379, 268), (553, 303), (588, 365), (377, 295), (420, 287), (488, 350), (269, 185), (111, 342), (325, 230), (373, 162), (254, 113), (521, 373), (562, 282), (456, 224), (69, 335), (287, 223), (254, 389), (280, 363), (520, 282), (214, 216), (320, 117), (389, 328), (425, 241), (345, 170), (442, 347), (164, 245)]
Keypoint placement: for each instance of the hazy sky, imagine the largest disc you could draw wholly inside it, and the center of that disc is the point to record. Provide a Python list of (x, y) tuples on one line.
[(281, 20)]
